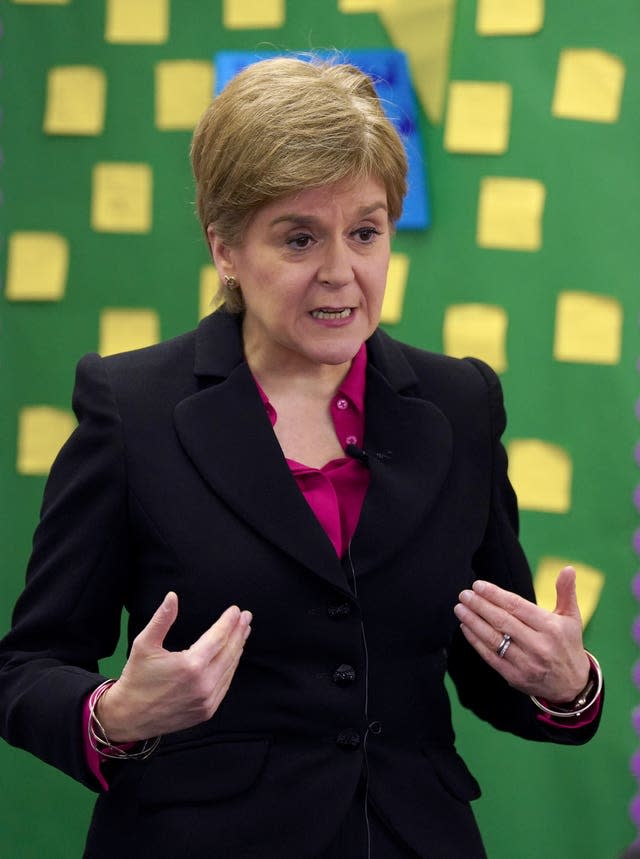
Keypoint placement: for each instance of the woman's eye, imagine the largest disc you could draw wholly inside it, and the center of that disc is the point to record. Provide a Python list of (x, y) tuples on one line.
[(367, 234), (300, 242)]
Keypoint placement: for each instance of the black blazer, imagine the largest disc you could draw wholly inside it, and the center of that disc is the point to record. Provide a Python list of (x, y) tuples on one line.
[(174, 480)]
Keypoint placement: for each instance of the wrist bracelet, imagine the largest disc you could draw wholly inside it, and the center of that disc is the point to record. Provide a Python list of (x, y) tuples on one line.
[(100, 742), (585, 699)]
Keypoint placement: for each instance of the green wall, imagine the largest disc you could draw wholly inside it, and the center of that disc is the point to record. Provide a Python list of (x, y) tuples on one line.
[(538, 800)]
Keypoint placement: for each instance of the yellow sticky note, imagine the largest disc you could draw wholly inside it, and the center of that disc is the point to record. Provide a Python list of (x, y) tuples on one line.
[(137, 22), (397, 275), (355, 6), (122, 329), (184, 88), (75, 100), (121, 198), (541, 475), (37, 266), (209, 283), (509, 17), (588, 328), (253, 14), (42, 430), (588, 85), (510, 214), (589, 584), (424, 30), (478, 330), (478, 117)]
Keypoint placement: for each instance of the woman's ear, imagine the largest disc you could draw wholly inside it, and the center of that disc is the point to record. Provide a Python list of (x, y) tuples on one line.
[(220, 252)]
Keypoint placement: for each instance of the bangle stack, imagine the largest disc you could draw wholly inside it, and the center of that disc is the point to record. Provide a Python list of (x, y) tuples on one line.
[(585, 699), (100, 742)]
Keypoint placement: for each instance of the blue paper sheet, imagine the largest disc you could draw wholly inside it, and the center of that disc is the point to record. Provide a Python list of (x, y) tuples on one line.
[(389, 70)]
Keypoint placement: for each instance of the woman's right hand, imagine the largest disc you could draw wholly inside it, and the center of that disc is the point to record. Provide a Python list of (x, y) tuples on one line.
[(161, 691)]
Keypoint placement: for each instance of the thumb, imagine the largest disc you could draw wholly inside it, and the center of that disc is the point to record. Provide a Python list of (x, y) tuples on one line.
[(154, 633), (566, 598)]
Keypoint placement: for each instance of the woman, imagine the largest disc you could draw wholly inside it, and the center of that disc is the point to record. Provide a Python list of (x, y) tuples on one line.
[(290, 459)]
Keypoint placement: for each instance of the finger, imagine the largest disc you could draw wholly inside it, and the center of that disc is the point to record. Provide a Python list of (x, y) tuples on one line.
[(214, 639), (567, 599), (224, 666), (155, 632), (498, 620), (231, 651), (222, 687), (501, 664), (489, 629), (512, 604)]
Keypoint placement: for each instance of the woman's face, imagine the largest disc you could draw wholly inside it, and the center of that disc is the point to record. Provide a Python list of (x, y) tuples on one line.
[(312, 268)]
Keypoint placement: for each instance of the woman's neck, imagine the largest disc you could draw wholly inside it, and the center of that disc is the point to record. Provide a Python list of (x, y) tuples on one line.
[(291, 373)]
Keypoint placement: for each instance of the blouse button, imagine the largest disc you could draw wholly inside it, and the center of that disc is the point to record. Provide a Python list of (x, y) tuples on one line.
[(342, 404), (351, 439)]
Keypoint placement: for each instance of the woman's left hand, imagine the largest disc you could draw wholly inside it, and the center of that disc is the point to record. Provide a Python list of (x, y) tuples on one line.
[(545, 656)]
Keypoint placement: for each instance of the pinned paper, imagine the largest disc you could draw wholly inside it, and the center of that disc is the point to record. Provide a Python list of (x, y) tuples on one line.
[(510, 214), (184, 89), (350, 6), (209, 283), (253, 14), (541, 475), (588, 85), (478, 330), (42, 430), (137, 22), (589, 584), (397, 275), (122, 329), (75, 100), (424, 30), (509, 17), (37, 267), (588, 328), (121, 198), (478, 117)]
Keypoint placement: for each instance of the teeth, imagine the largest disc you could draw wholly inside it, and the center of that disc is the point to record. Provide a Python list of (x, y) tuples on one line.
[(331, 314)]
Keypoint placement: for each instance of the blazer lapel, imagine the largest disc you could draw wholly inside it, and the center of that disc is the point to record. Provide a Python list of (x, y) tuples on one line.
[(409, 444), (226, 433), (228, 437)]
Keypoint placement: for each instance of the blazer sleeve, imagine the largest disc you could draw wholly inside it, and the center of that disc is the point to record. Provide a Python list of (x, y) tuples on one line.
[(500, 559), (68, 616)]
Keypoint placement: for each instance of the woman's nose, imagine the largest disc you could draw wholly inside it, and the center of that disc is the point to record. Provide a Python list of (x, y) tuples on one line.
[(336, 268)]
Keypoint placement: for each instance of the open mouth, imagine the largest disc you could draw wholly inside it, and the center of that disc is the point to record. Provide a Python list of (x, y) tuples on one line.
[(326, 313)]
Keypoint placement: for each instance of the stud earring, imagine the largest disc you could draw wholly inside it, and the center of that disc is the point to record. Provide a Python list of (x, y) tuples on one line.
[(230, 282)]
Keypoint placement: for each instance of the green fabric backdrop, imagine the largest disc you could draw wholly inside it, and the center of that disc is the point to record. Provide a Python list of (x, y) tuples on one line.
[(538, 800)]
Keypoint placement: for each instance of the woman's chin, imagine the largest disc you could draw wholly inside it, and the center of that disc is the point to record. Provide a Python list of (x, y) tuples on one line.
[(335, 353)]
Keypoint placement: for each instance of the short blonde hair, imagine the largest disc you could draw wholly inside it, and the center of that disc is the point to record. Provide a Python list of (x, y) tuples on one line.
[(284, 125)]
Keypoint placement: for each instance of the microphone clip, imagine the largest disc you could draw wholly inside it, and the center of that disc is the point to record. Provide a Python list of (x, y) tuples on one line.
[(358, 453)]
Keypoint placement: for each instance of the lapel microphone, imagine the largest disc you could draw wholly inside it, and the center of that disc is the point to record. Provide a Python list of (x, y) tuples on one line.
[(358, 453), (362, 456)]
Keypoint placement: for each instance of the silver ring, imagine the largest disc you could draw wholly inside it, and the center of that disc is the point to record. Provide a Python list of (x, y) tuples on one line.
[(502, 648)]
